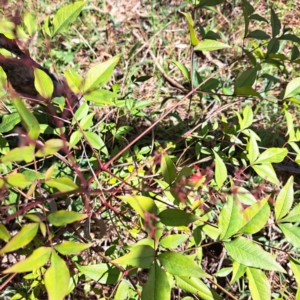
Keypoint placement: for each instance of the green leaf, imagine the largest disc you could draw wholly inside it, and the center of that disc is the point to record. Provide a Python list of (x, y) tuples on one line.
[(196, 287), (140, 256), (292, 88), (140, 204), (74, 81), (266, 172), (275, 23), (19, 154), (258, 34), (43, 83), (28, 119), (99, 74), (101, 273), (36, 260), (63, 184), (291, 233), (183, 69), (220, 170), (252, 148), (210, 45), (57, 278), (75, 137), (211, 231), (230, 218), (22, 238), (123, 291), (259, 285), (50, 147), (295, 266), (293, 216), (176, 217), (258, 18), (180, 265), (247, 11), (247, 91), (62, 217), (81, 112), (238, 271), (273, 47), (256, 216), (247, 118), (9, 122), (173, 241), (157, 286), (96, 142), (272, 155), (70, 247), (284, 199), (246, 78), (65, 16), (18, 180), (250, 254), (30, 23), (87, 121), (168, 169), (210, 2), (193, 37), (4, 233), (101, 97)]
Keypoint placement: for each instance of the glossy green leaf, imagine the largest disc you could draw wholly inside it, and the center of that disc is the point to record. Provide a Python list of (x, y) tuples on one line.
[(272, 155), (101, 97), (57, 278), (22, 238), (293, 216), (43, 83), (210, 45), (180, 265), (74, 81), (247, 91), (63, 184), (244, 196), (266, 172), (50, 147), (246, 78), (211, 231), (4, 233), (285, 199), (63, 217), (259, 284), (140, 204), (157, 286), (70, 247), (28, 119), (168, 169), (173, 240), (250, 254), (193, 38), (81, 112), (220, 170), (102, 273), (75, 137), (292, 88), (230, 218), (65, 16), (183, 69), (196, 287), (140, 256), (238, 270), (99, 74), (176, 217), (36, 260), (18, 180), (9, 122), (256, 216), (291, 233)]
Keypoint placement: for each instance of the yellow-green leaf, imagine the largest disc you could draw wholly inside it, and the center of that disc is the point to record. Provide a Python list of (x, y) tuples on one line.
[(62, 217), (63, 184)]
